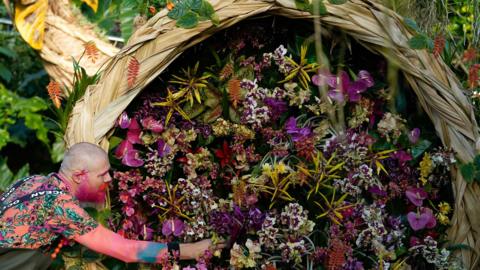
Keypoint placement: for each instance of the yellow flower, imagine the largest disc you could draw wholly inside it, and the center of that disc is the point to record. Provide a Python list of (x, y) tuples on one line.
[(267, 169), (280, 167), (444, 208), (443, 219), (425, 168)]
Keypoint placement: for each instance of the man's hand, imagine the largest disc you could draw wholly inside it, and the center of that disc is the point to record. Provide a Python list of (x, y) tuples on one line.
[(197, 249)]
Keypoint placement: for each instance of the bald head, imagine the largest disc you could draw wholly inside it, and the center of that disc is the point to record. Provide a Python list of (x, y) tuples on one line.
[(83, 156)]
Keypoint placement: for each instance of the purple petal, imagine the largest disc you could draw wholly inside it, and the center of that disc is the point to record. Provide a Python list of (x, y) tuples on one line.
[(123, 121), (336, 95), (416, 221), (291, 124), (355, 89), (414, 135), (345, 81), (163, 148), (132, 159), (365, 76), (416, 195), (324, 77)]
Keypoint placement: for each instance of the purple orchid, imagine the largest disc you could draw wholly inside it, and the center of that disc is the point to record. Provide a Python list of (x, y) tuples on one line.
[(341, 86), (295, 132), (421, 220), (163, 148), (173, 226), (414, 135), (277, 107), (123, 121), (402, 157), (416, 195), (134, 131)]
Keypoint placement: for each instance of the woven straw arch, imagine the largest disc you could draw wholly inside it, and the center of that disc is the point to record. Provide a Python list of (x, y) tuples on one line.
[(377, 28)]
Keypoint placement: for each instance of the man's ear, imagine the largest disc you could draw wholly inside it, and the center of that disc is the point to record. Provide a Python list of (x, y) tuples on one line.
[(79, 176)]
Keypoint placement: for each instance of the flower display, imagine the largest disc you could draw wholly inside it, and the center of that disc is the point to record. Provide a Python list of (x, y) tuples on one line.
[(244, 148)]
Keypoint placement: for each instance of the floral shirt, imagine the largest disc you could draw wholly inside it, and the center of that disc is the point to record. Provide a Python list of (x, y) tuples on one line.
[(38, 221)]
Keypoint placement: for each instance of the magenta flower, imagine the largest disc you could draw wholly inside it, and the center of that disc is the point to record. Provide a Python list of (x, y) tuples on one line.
[(424, 219), (123, 121), (134, 131), (414, 135), (416, 195), (173, 226), (294, 131), (152, 124), (402, 157), (341, 86), (130, 157)]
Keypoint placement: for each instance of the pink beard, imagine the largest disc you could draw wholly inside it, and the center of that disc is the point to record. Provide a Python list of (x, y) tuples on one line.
[(85, 193)]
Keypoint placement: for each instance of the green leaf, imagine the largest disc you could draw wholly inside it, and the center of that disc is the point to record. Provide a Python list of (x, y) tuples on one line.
[(8, 52), (337, 2), (418, 42), (128, 12), (5, 73), (412, 24), (194, 5), (189, 20), (420, 147), (206, 12), (178, 10), (6, 175), (23, 172), (58, 149), (304, 5), (114, 141), (468, 172), (476, 161)]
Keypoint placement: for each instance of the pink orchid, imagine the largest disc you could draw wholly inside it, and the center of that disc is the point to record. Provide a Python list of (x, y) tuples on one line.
[(134, 131), (173, 226), (416, 195), (152, 124), (130, 157), (421, 220)]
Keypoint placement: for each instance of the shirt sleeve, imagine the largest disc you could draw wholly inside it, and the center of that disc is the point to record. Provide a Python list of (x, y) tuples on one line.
[(69, 218)]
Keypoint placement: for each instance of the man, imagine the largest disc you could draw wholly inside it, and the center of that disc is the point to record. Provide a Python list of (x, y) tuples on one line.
[(35, 210)]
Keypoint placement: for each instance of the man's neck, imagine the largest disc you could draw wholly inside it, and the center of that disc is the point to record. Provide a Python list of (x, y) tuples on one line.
[(67, 181)]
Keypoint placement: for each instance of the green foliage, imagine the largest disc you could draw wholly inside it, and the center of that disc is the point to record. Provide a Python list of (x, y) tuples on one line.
[(15, 108), (81, 81), (7, 176), (420, 147), (310, 7), (189, 12), (471, 171)]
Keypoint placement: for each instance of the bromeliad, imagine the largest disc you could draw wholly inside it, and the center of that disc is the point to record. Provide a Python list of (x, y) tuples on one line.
[(191, 85), (173, 101), (300, 70)]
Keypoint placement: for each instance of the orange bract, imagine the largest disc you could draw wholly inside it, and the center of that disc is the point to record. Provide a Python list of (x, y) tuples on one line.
[(234, 91), (336, 256), (170, 5), (469, 55), (55, 92), (91, 51), (438, 45), (133, 69)]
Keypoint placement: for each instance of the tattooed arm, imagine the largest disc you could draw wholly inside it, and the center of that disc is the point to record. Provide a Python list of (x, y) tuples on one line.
[(107, 242)]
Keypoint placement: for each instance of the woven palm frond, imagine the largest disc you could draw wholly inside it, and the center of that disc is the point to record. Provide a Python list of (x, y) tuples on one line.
[(377, 28)]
